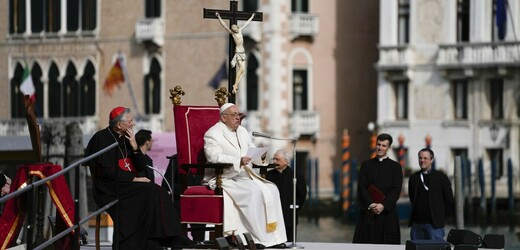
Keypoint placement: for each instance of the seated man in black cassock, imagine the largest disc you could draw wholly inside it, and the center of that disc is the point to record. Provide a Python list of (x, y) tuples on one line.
[(145, 218)]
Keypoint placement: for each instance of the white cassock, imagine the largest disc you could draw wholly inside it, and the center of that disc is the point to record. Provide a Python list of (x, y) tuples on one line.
[(251, 203)]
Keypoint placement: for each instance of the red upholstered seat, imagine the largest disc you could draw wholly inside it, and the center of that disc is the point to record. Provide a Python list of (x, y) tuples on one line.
[(199, 190), (199, 204)]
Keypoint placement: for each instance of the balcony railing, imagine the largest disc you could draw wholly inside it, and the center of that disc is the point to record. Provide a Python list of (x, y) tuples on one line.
[(305, 123), (253, 121), (303, 24), (150, 29), (18, 127), (394, 56), (479, 54), (150, 122), (88, 125), (301, 122)]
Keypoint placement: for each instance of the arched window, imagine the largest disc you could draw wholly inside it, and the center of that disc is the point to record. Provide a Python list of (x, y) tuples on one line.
[(17, 106), (70, 92), (252, 83), (152, 89), (54, 92), (36, 74), (300, 90), (87, 94)]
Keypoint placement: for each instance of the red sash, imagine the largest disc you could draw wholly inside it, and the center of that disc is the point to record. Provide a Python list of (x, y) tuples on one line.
[(14, 211)]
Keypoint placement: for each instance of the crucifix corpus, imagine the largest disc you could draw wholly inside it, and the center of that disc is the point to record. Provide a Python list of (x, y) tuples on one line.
[(237, 53)]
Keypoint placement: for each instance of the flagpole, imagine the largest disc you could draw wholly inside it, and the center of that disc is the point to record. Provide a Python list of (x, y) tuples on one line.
[(129, 83)]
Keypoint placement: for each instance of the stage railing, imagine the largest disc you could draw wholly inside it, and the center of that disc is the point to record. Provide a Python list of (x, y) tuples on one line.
[(30, 214)]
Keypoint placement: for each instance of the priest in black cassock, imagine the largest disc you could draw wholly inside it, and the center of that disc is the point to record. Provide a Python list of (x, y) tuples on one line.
[(378, 221), (146, 217), (283, 176)]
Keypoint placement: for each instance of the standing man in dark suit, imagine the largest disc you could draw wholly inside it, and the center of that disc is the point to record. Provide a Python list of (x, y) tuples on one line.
[(145, 141), (283, 176), (378, 221), (432, 200)]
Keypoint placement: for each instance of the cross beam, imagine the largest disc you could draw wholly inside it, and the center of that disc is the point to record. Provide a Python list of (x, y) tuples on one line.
[(233, 15)]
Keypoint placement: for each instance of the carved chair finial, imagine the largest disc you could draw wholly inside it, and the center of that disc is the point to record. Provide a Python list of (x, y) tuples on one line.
[(175, 95), (221, 96)]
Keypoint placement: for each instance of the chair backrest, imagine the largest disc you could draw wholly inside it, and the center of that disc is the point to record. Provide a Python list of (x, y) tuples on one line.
[(191, 123)]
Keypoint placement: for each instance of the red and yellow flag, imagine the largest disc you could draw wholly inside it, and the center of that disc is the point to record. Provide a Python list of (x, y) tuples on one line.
[(115, 78)]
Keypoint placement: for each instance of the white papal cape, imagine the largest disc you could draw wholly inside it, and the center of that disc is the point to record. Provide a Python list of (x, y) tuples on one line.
[(251, 203)]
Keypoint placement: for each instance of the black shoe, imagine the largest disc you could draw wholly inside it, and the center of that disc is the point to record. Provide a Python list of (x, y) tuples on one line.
[(259, 246), (180, 241), (232, 241), (281, 245)]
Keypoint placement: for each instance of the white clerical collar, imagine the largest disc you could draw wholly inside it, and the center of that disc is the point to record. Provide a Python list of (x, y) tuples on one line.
[(383, 158), (427, 171)]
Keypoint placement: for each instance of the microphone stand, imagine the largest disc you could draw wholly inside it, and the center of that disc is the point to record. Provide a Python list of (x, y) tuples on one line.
[(169, 187), (293, 245)]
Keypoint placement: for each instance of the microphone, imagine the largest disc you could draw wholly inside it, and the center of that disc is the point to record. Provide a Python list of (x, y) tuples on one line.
[(258, 134), (157, 171)]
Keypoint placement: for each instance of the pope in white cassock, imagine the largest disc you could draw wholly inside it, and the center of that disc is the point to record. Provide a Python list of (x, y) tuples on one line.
[(251, 203)]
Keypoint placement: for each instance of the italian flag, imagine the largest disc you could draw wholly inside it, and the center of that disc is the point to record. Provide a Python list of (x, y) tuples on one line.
[(27, 86)]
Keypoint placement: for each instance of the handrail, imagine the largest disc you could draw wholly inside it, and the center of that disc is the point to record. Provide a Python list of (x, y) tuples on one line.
[(56, 175), (35, 184), (68, 230)]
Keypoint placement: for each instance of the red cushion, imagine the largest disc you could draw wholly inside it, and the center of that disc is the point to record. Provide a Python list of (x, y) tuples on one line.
[(202, 209), (198, 190)]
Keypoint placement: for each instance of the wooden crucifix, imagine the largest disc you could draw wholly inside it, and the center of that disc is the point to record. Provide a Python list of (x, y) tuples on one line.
[(236, 48)]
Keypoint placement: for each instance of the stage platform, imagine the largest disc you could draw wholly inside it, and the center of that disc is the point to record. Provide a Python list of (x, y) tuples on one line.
[(306, 245)]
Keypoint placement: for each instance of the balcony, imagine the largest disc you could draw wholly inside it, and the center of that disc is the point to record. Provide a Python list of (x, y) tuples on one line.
[(18, 127), (14, 133), (305, 123), (150, 122), (479, 54), (14, 130), (150, 29), (301, 122), (253, 121), (394, 57), (303, 24)]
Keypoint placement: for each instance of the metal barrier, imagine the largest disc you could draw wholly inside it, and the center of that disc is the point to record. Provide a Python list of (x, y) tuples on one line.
[(30, 215)]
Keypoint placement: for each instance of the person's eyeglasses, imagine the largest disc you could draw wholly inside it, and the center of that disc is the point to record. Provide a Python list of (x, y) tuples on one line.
[(232, 114), (128, 122)]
